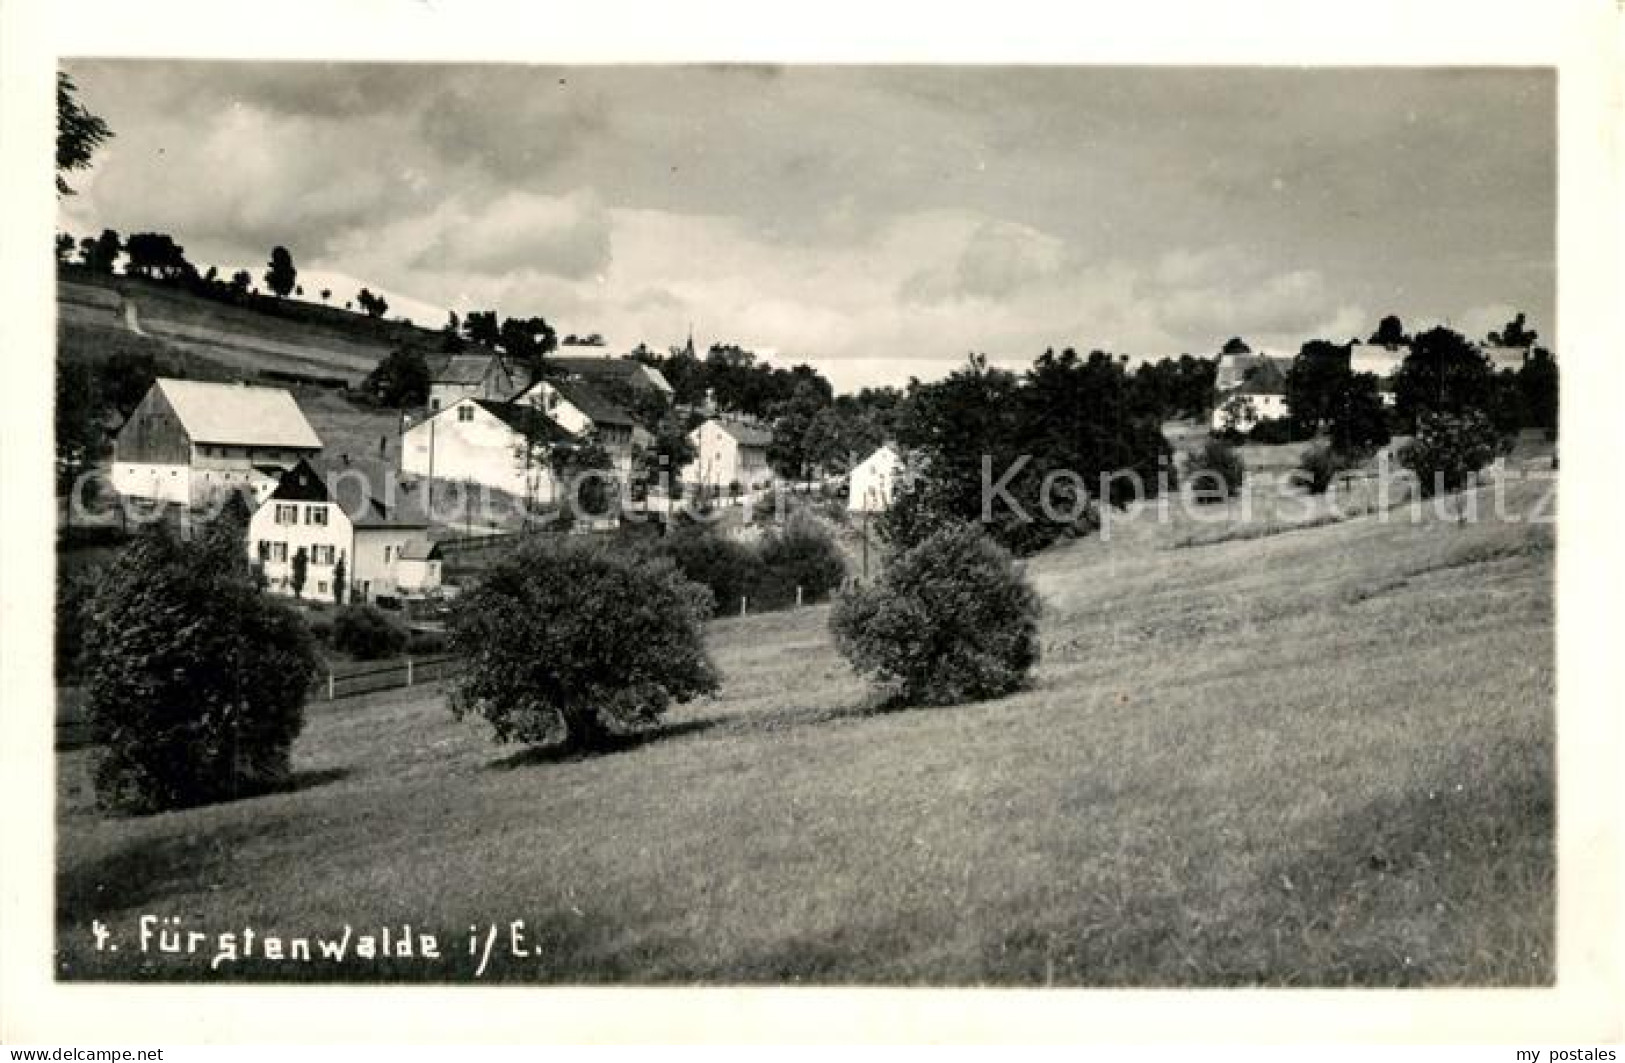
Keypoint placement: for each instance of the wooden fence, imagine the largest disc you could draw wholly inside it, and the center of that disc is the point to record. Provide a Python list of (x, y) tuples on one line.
[(346, 681)]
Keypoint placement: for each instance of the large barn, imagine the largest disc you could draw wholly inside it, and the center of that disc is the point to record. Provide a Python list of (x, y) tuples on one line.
[(188, 441)]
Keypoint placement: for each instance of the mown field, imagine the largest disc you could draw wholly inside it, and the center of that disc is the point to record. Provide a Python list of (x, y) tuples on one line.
[(1321, 757)]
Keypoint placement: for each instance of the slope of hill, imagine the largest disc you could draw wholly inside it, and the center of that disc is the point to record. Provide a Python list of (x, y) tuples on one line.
[(300, 339), (1320, 758)]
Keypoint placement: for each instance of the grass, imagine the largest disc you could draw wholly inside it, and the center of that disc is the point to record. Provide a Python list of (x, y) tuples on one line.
[(1323, 758)]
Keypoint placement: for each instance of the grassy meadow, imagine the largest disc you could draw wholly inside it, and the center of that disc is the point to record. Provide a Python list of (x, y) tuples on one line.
[(1319, 757)]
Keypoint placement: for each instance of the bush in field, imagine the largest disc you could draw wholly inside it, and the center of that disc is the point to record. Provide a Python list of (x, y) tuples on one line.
[(195, 680), (729, 569), (803, 554), (1319, 466), (598, 639), (74, 593), (426, 642), (1271, 431), (1449, 449), (949, 620), (1216, 471), (365, 633)]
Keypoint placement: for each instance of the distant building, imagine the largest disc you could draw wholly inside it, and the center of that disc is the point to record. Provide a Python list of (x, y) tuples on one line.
[(605, 370), (343, 516), (1380, 361), (582, 411), (1260, 395), (187, 441), (472, 375), (874, 480), (504, 445), (729, 454)]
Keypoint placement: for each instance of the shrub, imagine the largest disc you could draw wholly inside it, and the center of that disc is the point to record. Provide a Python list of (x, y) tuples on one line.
[(598, 639), (321, 629), (950, 620), (365, 633), (1449, 449), (1320, 465), (1216, 471), (1271, 431), (75, 591), (195, 680), (803, 555), (728, 568)]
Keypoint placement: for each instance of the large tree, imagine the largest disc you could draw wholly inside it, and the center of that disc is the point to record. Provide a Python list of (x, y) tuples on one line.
[(280, 273), (577, 641), (1390, 333), (156, 255), (400, 379), (1444, 373), (100, 254), (78, 133), (1318, 374), (196, 681)]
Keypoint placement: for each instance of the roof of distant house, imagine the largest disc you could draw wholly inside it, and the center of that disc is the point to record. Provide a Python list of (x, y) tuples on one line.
[(746, 435), (366, 490), (1266, 378), (240, 414), (420, 550), (467, 368), (598, 409), (607, 368), (1236, 369), (527, 420)]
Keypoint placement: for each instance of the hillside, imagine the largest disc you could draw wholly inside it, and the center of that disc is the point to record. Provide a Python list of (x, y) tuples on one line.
[(302, 339), (1324, 757)]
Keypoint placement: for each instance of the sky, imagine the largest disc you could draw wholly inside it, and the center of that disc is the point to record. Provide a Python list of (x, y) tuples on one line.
[(876, 222)]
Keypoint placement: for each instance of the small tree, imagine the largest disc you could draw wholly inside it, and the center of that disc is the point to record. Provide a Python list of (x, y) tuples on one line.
[(300, 566), (1217, 471), (195, 681), (573, 633), (950, 620), (340, 576), (803, 555), (280, 273), (1449, 450), (400, 379), (1319, 466)]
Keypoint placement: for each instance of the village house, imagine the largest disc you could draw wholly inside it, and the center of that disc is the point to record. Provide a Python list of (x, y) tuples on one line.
[(351, 527), (188, 441), (583, 412), (474, 375), (1259, 395), (730, 456), (874, 480), (502, 445)]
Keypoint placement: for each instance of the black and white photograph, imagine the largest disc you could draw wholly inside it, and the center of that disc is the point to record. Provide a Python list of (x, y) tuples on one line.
[(720, 523)]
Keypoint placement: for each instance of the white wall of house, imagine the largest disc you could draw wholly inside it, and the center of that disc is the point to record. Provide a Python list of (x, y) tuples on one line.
[(417, 576), (721, 460), (470, 444), (873, 480), (279, 529), (378, 560), (1250, 409), (616, 440), (161, 483)]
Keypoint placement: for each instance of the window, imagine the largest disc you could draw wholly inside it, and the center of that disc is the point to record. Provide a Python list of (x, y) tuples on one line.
[(387, 549), (279, 551), (434, 403), (465, 413), (316, 515), (321, 555), (321, 586), (265, 550), (287, 514)]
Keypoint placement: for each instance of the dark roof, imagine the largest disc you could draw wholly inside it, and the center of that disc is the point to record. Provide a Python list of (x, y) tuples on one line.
[(600, 410), (371, 494), (620, 370), (420, 550), (526, 419), (302, 483), (1267, 378), (468, 367), (746, 434)]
